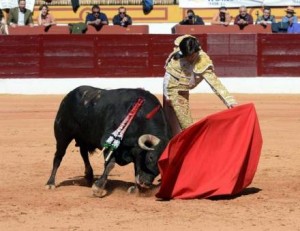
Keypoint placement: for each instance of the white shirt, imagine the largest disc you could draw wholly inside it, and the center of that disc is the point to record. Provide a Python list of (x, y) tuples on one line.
[(21, 18)]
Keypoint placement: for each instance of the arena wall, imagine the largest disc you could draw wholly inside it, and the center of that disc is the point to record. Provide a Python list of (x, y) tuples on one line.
[(52, 64), (144, 55)]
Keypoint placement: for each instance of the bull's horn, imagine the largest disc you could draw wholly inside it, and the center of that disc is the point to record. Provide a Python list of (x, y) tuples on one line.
[(150, 139)]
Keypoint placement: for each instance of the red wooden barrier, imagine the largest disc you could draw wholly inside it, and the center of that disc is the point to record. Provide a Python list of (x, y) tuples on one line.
[(134, 29), (26, 30), (71, 56), (278, 55), (220, 29), (36, 30), (233, 54), (20, 56), (134, 55), (57, 30), (122, 55)]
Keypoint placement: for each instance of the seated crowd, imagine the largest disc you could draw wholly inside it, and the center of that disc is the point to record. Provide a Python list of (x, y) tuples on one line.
[(21, 16), (243, 19)]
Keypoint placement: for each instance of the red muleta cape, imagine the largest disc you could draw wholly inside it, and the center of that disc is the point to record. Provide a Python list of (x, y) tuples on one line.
[(215, 156)]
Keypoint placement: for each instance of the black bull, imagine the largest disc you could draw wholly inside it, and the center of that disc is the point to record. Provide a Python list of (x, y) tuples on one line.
[(89, 115)]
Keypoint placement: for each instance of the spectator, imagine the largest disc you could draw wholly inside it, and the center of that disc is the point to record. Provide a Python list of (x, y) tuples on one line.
[(20, 16), (185, 68), (122, 19), (191, 19), (45, 18), (290, 16), (3, 25), (222, 17), (243, 18), (96, 18), (266, 18)]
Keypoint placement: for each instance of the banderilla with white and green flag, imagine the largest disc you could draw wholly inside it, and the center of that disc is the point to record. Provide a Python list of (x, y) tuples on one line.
[(115, 138)]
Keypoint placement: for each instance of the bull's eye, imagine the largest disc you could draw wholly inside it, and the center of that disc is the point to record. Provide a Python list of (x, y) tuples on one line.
[(150, 158)]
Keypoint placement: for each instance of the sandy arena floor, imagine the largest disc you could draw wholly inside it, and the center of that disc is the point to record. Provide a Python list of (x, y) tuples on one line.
[(27, 145)]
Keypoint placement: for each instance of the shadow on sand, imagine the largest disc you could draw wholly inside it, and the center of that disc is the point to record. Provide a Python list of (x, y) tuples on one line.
[(245, 192), (123, 186), (111, 186)]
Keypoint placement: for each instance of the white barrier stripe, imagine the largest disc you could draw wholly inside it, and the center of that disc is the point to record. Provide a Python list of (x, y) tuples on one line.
[(257, 85)]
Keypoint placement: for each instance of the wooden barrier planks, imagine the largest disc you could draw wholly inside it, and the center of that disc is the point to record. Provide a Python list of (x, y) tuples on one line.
[(233, 54), (220, 29), (114, 29), (71, 56), (20, 56), (134, 55), (278, 55), (122, 55)]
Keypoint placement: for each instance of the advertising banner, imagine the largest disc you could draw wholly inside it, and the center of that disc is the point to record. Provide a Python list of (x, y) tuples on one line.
[(235, 3), (281, 3), (8, 4)]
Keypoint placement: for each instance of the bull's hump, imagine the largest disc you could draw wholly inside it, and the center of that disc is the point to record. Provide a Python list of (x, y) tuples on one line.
[(89, 95)]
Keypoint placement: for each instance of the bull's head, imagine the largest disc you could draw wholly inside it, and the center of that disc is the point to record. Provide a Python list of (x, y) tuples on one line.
[(146, 168)]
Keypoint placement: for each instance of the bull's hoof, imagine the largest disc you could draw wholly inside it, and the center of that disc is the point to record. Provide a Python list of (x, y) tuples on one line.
[(89, 178), (89, 183), (50, 186), (98, 192)]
